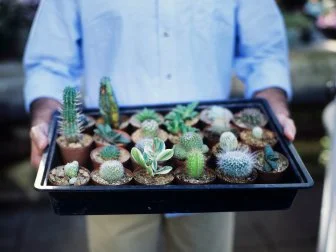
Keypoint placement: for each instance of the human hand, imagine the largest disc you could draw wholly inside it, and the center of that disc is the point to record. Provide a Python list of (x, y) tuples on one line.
[(39, 141)]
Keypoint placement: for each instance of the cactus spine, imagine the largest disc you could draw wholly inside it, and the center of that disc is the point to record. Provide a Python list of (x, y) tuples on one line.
[(71, 169), (112, 171), (110, 152), (228, 141), (195, 164), (108, 104)]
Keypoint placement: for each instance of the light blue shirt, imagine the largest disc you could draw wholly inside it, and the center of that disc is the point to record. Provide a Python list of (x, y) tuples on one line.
[(156, 51)]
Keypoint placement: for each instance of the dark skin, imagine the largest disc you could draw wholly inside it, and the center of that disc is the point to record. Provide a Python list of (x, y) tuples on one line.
[(42, 109)]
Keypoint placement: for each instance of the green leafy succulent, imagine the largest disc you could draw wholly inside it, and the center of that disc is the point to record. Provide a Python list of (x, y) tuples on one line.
[(177, 126), (185, 112), (147, 114), (109, 135)]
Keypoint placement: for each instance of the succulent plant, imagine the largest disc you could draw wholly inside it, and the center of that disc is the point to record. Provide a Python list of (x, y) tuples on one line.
[(109, 135), (108, 105), (185, 112), (153, 153), (271, 159), (195, 164), (140, 145), (70, 118), (147, 114), (228, 141), (177, 126), (149, 128), (71, 169), (251, 117), (219, 126), (189, 141), (111, 171), (257, 132), (218, 112), (237, 163), (110, 152)]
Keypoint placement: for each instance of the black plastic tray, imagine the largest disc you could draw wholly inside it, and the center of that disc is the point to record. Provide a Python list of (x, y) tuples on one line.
[(137, 199)]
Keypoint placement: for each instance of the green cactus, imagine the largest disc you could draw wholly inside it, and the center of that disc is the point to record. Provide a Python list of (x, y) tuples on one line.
[(271, 158), (251, 117), (110, 152), (70, 118), (237, 163), (177, 126), (228, 141), (185, 112), (189, 141), (71, 169), (149, 128), (111, 171), (217, 112), (195, 164), (108, 105), (153, 153), (109, 135), (147, 114), (257, 132)]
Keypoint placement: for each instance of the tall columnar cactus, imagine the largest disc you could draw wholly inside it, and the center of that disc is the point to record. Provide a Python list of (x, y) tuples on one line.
[(71, 169), (147, 114), (189, 141), (217, 112), (112, 171), (271, 158), (195, 164), (150, 128), (228, 141), (70, 118), (237, 163), (108, 104), (257, 132), (110, 152)]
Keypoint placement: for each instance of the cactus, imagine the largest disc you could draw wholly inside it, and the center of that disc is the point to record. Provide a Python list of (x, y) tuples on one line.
[(217, 112), (185, 112), (70, 118), (110, 152), (109, 135), (177, 126), (195, 164), (271, 158), (149, 128), (153, 153), (251, 117), (228, 141), (237, 163), (140, 145), (147, 114), (257, 132), (189, 141), (71, 169), (108, 105), (112, 171), (219, 126)]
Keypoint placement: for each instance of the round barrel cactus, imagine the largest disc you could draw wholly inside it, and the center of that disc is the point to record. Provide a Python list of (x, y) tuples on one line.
[(228, 141), (112, 171), (110, 152)]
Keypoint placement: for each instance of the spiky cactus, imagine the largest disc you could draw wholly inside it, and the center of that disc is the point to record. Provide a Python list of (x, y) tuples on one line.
[(271, 159), (111, 136), (112, 171), (140, 145), (70, 118), (228, 141), (257, 132), (147, 114), (237, 163), (189, 141), (71, 169), (150, 128), (108, 105), (195, 164), (217, 112), (251, 117), (110, 152)]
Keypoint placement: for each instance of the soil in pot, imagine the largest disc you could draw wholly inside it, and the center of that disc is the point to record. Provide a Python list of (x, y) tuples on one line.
[(137, 124), (57, 177), (193, 122), (142, 177), (75, 151), (182, 177), (98, 180), (211, 138), (97, 160), (232, 180), (268, 138), (137, 135), (100, 142)]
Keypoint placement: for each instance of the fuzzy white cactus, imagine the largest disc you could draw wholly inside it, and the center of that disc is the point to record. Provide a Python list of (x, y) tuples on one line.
[(71, 169), (150, 128), (112, 171), (228, 141)]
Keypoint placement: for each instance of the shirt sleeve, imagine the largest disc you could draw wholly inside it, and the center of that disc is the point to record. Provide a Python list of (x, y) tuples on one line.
[(53, 58), (261, 52)]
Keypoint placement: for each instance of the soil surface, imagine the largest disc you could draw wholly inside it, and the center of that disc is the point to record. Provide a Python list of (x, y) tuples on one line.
[(57, 177), (231, 180), (142, 177), (137, 135), (207, 177), (100, 181), (269, 137), (85, 140), (283, 163)]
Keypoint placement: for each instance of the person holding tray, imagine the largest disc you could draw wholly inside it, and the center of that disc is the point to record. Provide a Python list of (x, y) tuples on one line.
[(156, 52)]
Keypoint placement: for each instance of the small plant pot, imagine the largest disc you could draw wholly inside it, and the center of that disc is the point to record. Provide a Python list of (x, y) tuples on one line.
[(217, 149), (97, 180), (236, 120), (57, 177), (97, 160), (265, 177), (99, 142), (137, 135), (75, 151), (182, 177), (88, 129), (211, 139), (193, 121), (231, 180), (123, 125), (269, 138), (143, 178), (174, 139), (137, 124)]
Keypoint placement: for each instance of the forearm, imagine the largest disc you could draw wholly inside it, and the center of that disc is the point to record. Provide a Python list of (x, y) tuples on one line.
[(42, 110)]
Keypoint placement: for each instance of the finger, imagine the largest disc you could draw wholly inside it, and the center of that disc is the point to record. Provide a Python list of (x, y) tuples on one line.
[(39, 136), (35, 155), (289, 129)]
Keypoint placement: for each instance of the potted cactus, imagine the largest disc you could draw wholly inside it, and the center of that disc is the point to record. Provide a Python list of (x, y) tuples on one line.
[(258, 138), (137, 119), (228, 142), (149, 129), (187, 113), (212, 113), (109, 152), (105, 135), (72, 143), (195, 171), (152, 173), (271, 165), (69, 174), (236, 167), (249, 118), (112, 172)]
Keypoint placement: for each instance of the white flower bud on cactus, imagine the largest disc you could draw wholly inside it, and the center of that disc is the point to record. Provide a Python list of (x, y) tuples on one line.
[(112, 171), (257, 132), (228, 141), (71, 169)]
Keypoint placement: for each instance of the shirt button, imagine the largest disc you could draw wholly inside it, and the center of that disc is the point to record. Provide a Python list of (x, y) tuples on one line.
[(166, 34), (169, 76)]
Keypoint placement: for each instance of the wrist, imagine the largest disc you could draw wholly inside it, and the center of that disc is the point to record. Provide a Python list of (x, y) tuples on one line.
[(42, 110)]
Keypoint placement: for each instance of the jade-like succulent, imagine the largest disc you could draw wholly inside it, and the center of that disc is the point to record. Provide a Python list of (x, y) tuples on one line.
[(195, 164), (149, 128), (153, 153), (110, 152), (237, 163), (108, 105), (228, 141), (251, 117), (185, 112), (271, 159), (188, 142), (177, 126), (140, 145), (257, 132), (71, 169), (70, 118), (111, 136), (218, 112), (111, 171), (219, 126), (147, 114)]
